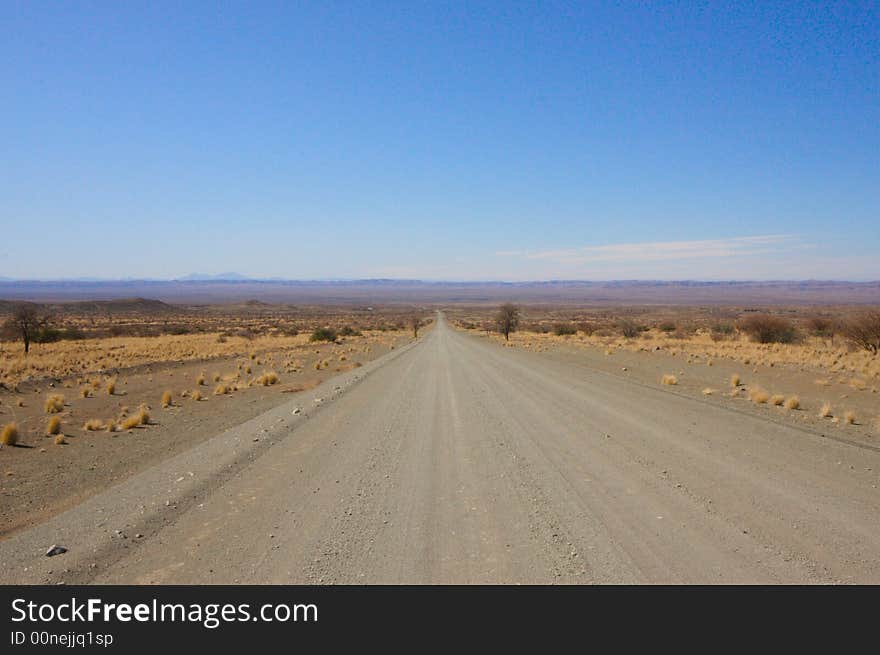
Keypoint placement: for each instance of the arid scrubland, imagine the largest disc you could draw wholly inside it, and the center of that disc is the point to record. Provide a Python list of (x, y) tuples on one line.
[(82, 412), (802, 361)]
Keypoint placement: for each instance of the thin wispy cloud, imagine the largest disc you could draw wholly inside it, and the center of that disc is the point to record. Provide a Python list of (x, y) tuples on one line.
[(658, 251)]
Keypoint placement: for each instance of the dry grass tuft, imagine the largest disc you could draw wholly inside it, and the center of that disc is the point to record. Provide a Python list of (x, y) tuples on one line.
[(777, 399), (825, 411), (166, 399), (93, 425), (708, 391), (735, 380), (53, 426), (669, 379), (200, 381), (9, 436), (19, 402), (131, 422), (849, 417), (758, 396), (60, 440), (267, 379), (111, 387), (792, 402), (196, 395), (143, 415), (111, 426), (85, 392), (222, 389), (54, 403), (216, 377)]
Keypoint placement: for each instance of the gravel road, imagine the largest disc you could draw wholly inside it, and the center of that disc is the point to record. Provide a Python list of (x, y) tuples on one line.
[(454, 460)]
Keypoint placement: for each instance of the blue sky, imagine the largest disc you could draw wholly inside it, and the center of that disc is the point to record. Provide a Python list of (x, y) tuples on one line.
[(441, 140)]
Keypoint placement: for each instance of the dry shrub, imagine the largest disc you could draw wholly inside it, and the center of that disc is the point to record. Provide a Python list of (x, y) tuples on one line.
[(825, 411), (200, 381), (143, 415), (93, 425), (849, 417), (196, 395), (735, 380), (166, 399), (60, 440), (216, 377), (111, 387), (863, 331), (777, 399), (54, 403), (792, 402), (111, 426), (629, 329), (53, 426), (766, 328), (669, 379), (85, 392), (9, 436), (222, 389)]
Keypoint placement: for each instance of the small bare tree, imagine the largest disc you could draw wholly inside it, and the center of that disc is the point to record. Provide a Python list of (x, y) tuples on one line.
[(24, 323), (415, 323), (863, 330), (507, 319)]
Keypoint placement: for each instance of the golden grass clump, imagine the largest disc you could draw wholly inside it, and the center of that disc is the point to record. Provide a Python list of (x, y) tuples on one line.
[(196, 395), (54, 403), (792, 402), (130, 422), (825, 411), (758, 396), (222, 389), (9, 436), (200, 381), (53, 426), (93, 425), (735, 380), (777, 399), (267, 379), (111, 387), (216, 377), (143, 415), (85, 392), (166, 399), (60, 440), (111, 426), (669, 379), (708, 391), (849, 417)]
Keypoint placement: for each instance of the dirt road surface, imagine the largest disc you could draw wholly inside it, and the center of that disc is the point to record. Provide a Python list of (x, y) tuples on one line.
[(454, 460)]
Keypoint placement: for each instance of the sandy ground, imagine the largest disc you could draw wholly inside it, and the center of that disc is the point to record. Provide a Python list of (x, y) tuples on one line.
[(39, 478), (454, 459), (813, 386)]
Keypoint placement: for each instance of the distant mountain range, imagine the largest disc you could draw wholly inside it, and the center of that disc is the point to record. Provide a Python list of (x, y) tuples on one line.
[(206, 277), (235, 288)]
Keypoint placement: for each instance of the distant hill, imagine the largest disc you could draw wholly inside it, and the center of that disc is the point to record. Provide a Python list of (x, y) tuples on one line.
[(116, 307), (624, 292)]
